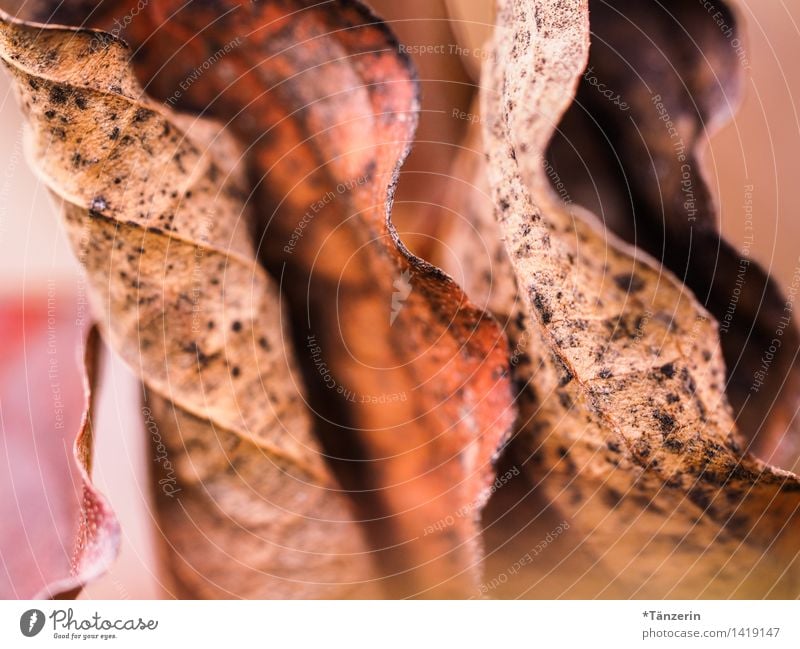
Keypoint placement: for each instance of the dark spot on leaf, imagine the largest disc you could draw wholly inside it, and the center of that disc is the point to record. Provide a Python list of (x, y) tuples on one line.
[(612, 497), (544, 311), (666, 421), (700, 499), (58, 95), (629, 282)]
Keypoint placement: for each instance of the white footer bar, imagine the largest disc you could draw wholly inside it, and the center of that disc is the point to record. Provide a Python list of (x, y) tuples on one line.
[(404, 625)]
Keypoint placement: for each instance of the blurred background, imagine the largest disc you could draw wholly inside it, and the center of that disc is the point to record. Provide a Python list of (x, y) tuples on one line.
[(759, 148)]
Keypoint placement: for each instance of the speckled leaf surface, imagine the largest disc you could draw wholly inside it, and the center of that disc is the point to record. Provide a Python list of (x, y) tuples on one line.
[(632, 428), (328, 410), (407, 382), (157, 223), (660, 81)]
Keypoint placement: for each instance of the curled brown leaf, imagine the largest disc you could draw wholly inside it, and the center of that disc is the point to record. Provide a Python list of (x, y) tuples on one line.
[(156, 222), (407, 380)]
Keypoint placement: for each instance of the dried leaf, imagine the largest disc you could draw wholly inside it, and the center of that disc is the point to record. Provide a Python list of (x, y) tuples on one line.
[(445, 86), (156, 223), (519, 516), (326, 107), (407, 379), (59, 530), (98, 536), (627, 452), (661, 79), (632, 430)]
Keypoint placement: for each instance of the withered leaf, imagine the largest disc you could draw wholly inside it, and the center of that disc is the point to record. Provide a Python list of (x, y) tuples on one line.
[(632, 430), (59, 530), (157, 224), (98, 535), (627, 451), (407, 379), (660, 80)]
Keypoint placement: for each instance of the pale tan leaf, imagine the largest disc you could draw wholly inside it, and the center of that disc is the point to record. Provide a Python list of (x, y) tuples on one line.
[(632, 429), (161, 229)]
